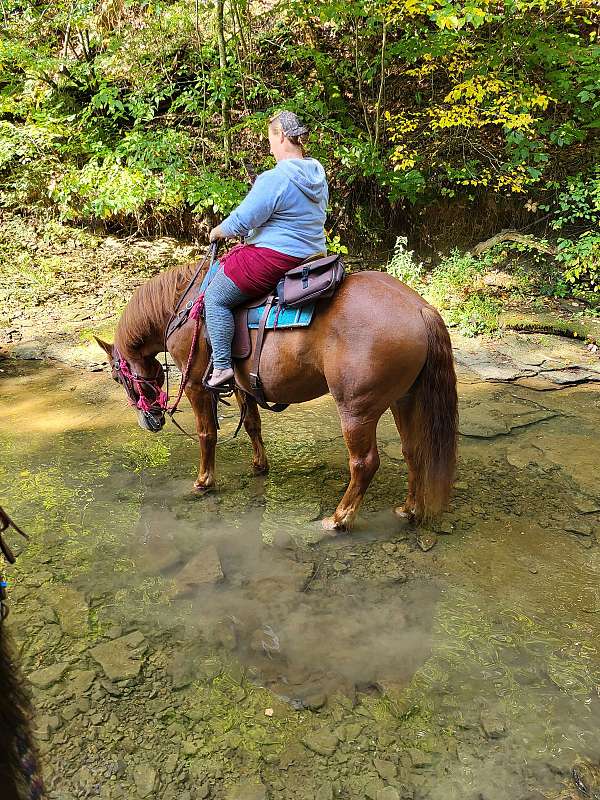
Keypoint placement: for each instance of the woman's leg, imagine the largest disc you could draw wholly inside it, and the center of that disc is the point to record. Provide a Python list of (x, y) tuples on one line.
[(221, 296)]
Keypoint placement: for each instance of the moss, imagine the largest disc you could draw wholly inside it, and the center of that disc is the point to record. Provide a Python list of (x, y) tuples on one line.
[(545, 323)]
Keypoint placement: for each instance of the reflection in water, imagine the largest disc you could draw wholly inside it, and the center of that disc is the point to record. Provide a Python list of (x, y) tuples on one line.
[(476, 664)]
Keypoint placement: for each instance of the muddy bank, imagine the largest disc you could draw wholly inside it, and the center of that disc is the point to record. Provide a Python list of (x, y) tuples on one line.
[(187, 648)]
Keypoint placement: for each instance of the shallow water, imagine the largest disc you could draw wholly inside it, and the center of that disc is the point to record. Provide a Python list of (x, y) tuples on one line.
[(470, 670)]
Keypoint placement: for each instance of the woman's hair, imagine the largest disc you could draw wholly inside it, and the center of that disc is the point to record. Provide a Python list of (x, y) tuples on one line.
[(291, 127)]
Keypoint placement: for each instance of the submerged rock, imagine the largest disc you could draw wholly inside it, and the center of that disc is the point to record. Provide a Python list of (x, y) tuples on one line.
[(587, 780), (48, 676), (579, 527), (385, 769), (493, 725), (204, 569), (322, 742), (117, 658), (247, 790)]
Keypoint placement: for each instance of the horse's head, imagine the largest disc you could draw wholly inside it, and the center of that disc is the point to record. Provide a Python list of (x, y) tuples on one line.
[(142, 381)]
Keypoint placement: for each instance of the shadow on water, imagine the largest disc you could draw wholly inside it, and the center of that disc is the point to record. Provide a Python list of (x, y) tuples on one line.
[(470, 670)]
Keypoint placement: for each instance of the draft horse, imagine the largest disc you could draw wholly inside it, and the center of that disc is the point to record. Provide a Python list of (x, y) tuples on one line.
[(376, 345)]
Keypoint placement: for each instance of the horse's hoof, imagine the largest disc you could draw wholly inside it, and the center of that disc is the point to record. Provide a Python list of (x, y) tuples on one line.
[(260, 469), (404, 513), (329, 524), (203, 488)]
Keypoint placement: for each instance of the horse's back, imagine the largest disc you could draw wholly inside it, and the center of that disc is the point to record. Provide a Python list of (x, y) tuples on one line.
[(369, 340)]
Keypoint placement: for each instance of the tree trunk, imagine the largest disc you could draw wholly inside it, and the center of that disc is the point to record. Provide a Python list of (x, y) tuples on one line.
[(225, 113)]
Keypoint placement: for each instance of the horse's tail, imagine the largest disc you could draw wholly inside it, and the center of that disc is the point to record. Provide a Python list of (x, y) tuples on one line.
[(435, 420)]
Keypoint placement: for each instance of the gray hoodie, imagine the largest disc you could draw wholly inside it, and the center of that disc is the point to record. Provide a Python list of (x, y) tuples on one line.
[(285, 209)]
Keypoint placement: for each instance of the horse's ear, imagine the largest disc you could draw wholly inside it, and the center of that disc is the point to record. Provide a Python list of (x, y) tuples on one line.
[(106, 346)]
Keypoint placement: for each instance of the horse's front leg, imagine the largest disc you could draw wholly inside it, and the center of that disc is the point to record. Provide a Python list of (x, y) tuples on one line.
[(206, 427), (252, 424), (361, 440)]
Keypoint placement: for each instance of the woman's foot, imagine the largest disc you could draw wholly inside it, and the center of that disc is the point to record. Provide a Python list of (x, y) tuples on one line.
[(219, 377)]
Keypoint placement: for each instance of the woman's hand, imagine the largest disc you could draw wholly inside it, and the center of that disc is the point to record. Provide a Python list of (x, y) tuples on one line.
[(216, 234)]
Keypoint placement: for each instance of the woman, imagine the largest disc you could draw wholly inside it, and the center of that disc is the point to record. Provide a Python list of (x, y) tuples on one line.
[(282, 219)]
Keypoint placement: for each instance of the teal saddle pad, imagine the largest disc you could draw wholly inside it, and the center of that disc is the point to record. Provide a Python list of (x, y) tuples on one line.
[(288, 317)]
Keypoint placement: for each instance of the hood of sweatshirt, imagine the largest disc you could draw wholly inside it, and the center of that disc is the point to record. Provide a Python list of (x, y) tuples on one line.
[(307, 174)]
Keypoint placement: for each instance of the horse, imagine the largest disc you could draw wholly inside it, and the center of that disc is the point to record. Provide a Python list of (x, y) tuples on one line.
[(376, 345), (19, 778)]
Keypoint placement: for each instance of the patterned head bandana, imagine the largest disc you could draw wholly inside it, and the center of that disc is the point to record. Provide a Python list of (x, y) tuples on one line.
[(290, 124)]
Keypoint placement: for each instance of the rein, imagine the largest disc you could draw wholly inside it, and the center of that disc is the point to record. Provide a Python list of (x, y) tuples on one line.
[(136, 385), (6, 523)]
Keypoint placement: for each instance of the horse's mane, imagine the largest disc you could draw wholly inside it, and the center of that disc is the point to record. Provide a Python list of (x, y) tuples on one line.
[(150, 306)]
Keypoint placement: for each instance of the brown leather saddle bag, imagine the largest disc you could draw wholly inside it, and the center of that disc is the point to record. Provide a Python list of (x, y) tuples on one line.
[(310, 281)]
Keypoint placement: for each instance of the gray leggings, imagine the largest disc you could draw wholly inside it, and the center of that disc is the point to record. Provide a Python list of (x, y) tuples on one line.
[(221, 296)]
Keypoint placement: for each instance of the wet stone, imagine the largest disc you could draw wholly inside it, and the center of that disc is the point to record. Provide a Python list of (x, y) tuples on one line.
[(419, 758), (145, 778), (324, 792), (116, 657), (247, 790), (385, 769), (389, 793), (45, 725), (81, 681), (71, 609), (579, 527), (47, 677), (426, 540), (204, 569), (324, 743), (493, 725), (586, 505)]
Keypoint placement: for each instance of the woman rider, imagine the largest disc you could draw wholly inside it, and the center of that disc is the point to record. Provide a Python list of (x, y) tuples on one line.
[(281, 219)]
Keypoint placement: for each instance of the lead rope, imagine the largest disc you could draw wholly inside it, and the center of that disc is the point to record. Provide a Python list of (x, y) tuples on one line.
[(25, 750)]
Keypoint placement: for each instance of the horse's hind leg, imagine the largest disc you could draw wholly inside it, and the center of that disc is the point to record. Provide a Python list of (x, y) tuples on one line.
[(360, 434), (404, 411), (252, 424)]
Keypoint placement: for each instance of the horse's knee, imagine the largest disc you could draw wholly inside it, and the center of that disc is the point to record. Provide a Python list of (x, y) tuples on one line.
[(207, 439), (366, 466)]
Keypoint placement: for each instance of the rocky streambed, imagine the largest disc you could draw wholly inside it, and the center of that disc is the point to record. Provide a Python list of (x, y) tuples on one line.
[(215, 648)]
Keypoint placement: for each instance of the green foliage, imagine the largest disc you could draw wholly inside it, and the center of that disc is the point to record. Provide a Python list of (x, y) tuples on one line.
[(454, 286), (112, 114), (403, 265), (578, 210)]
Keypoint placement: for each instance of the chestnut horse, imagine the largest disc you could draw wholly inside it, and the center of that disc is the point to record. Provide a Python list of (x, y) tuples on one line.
[(376, 345)]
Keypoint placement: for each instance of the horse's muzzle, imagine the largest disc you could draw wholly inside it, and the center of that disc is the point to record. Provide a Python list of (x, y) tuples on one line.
[(150, 422)]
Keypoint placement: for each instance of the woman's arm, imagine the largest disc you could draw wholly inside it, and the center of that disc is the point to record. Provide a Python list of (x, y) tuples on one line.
[(255, 209)]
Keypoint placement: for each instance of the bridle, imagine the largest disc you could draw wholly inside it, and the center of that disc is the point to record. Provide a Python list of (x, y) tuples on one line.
[(136, 386), (145, 394)]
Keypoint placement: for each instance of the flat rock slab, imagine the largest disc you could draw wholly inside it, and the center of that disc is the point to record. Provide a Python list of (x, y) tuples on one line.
[(118, 658), (47, 677), (570, 376), (537, 383), (488, 420), (204, 569), (503, 373)]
